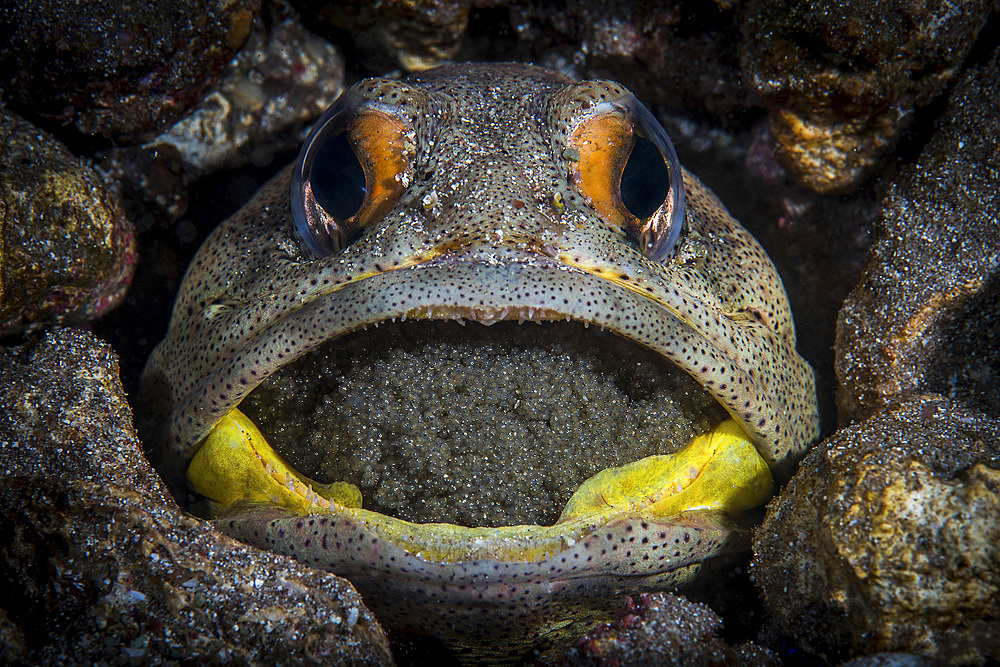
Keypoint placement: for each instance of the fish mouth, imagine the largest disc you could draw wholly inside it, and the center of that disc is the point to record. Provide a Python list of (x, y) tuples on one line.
[(716, 471), (456, 422)]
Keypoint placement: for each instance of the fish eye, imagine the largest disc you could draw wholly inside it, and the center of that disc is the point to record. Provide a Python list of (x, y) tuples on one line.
[(352, 168), (645, 179), (337, 178), (629, 172)]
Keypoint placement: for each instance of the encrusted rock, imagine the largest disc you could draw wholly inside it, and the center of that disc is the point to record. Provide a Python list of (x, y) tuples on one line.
[(841, 80), (98, 564), (888, 538), (67, 252), (414, 34), (925, 316), (662, 629), (112, 70), (282, 79)]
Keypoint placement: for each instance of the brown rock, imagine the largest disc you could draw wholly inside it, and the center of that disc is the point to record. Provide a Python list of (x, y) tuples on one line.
[(67, 252), (888, 538), (117, 71), (841, 80), (68, 416), (98, 564), (925, 316), (96, 573)]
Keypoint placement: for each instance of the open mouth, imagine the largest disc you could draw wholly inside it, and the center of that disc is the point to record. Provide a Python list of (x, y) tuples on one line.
[(478, 426), (452, 427)]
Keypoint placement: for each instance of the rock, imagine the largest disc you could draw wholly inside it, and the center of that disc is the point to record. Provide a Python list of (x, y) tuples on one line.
[(670, 54), (282, 79), (414, 35), (888, 538), (97, 562), (661, 629), (117, 72), (841, 81), (95, 573), (279, 82), (67, 252), (925, 316), (69, 417)]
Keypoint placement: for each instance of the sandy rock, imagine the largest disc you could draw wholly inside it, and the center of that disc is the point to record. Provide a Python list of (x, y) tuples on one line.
[(116, 71), (925, 316), (414, 35), (888, 538), (98, 564), (68, 416), (67, 252)]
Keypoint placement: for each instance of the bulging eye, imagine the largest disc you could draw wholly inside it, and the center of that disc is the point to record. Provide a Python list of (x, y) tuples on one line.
[(353, 167), (630, 173), (645, 180), (337, 178)]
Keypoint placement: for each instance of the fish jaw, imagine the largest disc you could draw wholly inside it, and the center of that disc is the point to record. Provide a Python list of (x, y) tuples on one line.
[(647, 525), (490, 609)]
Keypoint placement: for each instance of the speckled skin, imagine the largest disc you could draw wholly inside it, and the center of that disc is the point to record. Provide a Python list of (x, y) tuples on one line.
[(490, 145), (495, 609)]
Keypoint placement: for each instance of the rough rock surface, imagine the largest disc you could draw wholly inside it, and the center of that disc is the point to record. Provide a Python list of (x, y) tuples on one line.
[(67, 252), (98, 564), (925, 316), (661, 629), (412, 34), (841, 80), (888, 538), (282, 79), (113, 73)]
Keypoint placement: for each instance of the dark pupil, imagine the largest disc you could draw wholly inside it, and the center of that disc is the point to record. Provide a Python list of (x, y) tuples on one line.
[(338, 181), (645, 179)]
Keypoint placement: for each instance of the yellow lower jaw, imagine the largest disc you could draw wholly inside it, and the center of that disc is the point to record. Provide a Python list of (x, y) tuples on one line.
[(718, 471), (235, 463)]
